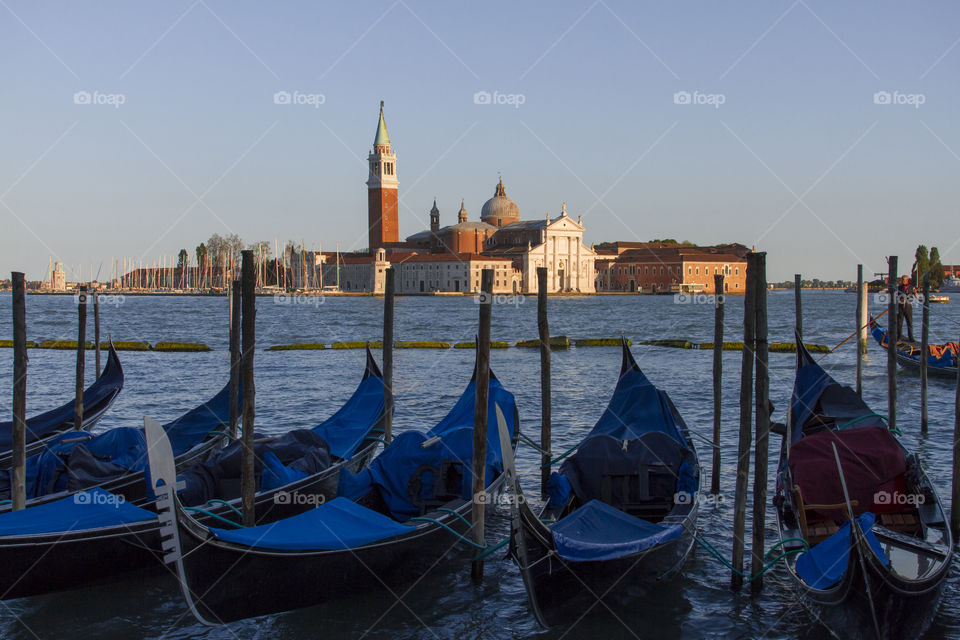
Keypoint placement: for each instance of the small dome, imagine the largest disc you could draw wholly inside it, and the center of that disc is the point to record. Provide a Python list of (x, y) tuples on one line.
[(500, 210)]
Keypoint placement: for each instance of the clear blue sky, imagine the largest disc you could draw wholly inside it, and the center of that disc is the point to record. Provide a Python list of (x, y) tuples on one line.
[(799, 160)]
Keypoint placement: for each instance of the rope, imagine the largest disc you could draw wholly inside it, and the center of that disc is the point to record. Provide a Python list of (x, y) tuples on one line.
[(226, 504), (562, 456), (213, 515), (705, 439), (766, 567), (486, 553), (450, 530), (893, 430), (856, 332), (554, 459), (376, 439), (455, 514)]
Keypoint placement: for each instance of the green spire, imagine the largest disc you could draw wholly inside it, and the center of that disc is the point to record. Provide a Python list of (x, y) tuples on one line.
[(382, 137)]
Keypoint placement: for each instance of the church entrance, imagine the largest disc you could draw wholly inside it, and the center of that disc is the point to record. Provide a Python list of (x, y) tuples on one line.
[(560, 276), (421, 286), (633, 289), (456, 287)]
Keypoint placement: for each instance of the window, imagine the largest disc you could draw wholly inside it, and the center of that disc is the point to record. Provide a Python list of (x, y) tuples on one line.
[(646, 270), (698, 270), (737, 271), (690, 270), (661, 270)]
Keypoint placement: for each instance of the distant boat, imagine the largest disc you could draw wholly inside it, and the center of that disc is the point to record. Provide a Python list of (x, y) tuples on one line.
[(942, 361), (939, 299), (951, 286)]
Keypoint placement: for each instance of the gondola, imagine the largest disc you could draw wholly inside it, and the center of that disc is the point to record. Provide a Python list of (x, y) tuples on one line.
[(866, 541), (96, 536), (44, 427), (387, 525), (622, 509), (116, 459), (941, 361)]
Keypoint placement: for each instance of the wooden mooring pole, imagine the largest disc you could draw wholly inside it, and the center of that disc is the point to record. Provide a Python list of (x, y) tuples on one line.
[(96, 329), (955, 498), (892, 337), (717, 379), (480, 420), (924, 350), (248, 305), (762, 392), (18, 491), (544, 330), (746, 413), (388, 300), (861, 332), (235, 315), (81, 356), (798, 305)]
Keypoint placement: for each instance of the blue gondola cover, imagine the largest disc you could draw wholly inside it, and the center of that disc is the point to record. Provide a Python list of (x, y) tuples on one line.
[(596, 531), (406, 460), (824, 565), (85, 510), (338, 524)]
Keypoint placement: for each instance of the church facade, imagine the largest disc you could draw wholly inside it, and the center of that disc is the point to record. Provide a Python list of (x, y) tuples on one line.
[(449, 259)]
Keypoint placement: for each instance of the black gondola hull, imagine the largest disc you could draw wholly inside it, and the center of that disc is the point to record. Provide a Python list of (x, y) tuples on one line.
[(561, 592), (229, 582), (35, 565)]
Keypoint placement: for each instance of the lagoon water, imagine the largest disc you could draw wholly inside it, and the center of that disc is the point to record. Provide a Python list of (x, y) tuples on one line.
[(300, 389)]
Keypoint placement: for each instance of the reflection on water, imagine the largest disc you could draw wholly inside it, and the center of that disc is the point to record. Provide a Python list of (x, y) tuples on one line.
[(299, 389)]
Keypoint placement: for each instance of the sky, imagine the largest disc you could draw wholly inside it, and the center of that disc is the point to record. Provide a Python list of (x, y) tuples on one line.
[(823, 133)]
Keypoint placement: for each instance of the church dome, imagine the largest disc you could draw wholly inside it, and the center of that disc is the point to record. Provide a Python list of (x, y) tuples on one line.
[(500, 210)]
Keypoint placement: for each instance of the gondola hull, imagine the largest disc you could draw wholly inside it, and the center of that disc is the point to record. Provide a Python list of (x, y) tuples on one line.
[(562, 592), (903, 609), (105, 390), (34, 565), (230, 582), (911, 363)]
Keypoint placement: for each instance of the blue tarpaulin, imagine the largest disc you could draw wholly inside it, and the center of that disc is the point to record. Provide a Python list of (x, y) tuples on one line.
[(347, 428), (824, 565), (338, 524), (85, 510), (815, 392), (637, 407), (393, 470), (596, 531), (76, 459)]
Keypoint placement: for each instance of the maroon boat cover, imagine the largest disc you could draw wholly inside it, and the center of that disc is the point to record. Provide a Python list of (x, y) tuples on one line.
[(872, 462)]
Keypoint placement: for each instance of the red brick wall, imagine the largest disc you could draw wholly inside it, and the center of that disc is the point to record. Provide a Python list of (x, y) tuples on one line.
[(382, 217)]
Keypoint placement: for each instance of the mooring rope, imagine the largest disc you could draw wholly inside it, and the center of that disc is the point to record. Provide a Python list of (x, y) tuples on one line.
[(766, 567), (213, 515)]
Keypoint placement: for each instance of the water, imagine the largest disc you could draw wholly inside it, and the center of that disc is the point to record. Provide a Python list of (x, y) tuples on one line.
[(299, 389)]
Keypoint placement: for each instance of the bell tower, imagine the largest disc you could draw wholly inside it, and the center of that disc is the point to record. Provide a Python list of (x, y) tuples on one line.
[(382, 190)]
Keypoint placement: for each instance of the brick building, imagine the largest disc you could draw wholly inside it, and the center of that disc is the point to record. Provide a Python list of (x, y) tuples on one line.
[(665, 268)]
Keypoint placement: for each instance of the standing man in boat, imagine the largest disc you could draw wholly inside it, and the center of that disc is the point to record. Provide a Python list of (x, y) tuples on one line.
[(905, 298)]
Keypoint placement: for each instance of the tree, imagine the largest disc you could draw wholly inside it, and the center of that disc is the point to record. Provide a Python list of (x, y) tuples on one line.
[(183, 260), (937, 275), (202, 256), (921, 265)]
